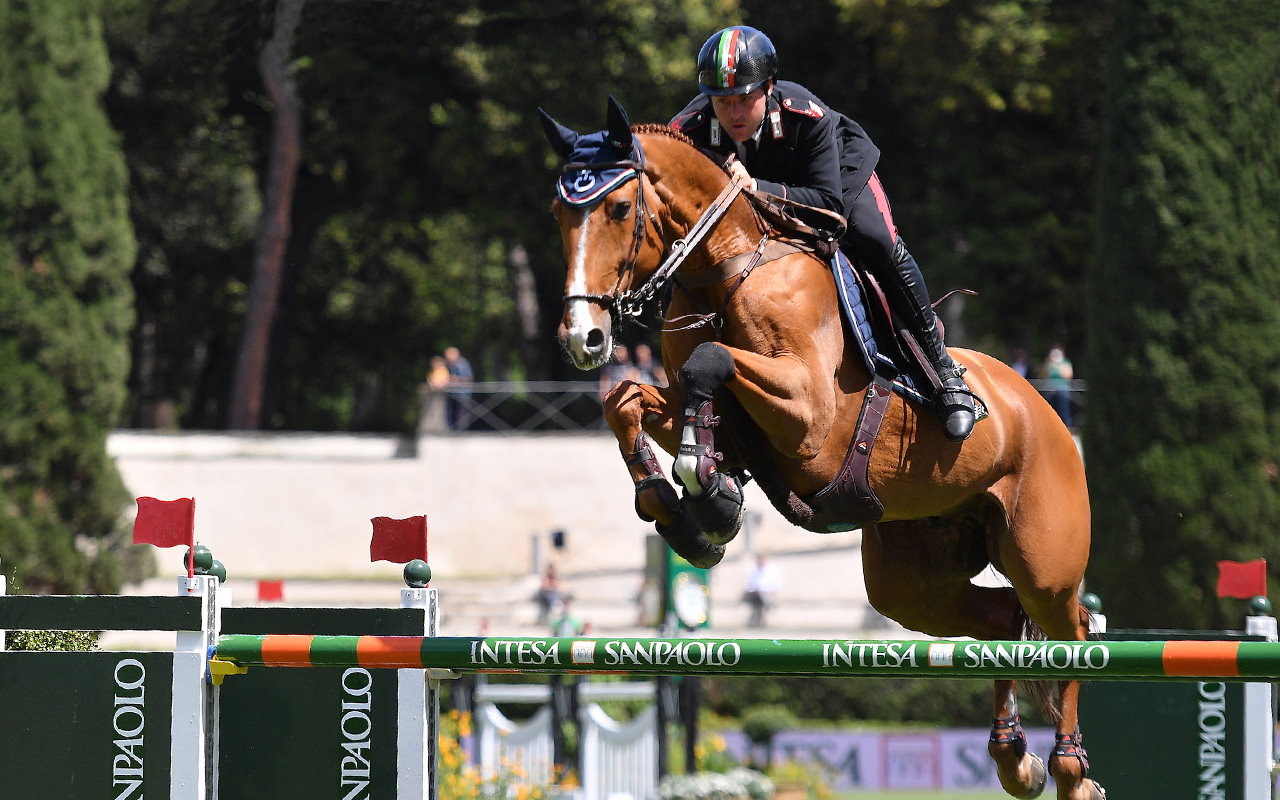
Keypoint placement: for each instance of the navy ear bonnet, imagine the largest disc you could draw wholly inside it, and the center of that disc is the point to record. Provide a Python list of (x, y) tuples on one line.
[(580, 187), (614, 149)]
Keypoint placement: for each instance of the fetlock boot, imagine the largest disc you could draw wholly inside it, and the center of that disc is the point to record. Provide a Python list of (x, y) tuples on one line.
[(953, 401)]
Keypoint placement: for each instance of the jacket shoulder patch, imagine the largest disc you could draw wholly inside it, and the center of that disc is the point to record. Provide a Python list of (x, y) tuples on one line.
[(806, 107)]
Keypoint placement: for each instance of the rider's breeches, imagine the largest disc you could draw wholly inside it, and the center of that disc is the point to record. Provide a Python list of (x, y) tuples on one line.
[(873, 239)]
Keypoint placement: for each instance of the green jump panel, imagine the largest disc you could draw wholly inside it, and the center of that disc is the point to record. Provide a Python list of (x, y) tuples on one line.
[(1187, 739), (84, 726), (34, 612), (311, 734)]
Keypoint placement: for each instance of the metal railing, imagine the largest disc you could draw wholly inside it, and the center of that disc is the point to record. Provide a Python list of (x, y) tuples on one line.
[(573, 406)]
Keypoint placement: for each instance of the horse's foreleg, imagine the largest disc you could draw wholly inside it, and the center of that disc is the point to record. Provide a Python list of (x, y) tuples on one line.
[(627, 407), (631, 409), (713, 498)]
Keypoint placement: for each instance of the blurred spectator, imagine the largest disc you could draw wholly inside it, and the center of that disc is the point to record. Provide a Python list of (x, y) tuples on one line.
[(459, 374), (438, 375), (1019, 362), (566, 623), (1057, 371), (763, 583), (650, 371), (618, 369), (550, 593), (433, 416)]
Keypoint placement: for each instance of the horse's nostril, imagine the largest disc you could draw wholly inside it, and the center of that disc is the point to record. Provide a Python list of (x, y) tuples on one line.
[(595, 339)]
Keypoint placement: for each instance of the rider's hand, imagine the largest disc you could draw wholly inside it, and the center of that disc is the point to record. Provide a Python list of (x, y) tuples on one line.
[(740, 174)]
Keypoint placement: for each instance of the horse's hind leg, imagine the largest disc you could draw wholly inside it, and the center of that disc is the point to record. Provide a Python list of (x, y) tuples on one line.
[(629, 407), (1021, 772), (919, 575)]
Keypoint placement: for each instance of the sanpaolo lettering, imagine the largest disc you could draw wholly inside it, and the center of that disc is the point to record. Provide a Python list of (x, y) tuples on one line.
[(1212, 722), (356, 727), (661, 653), (1031, 655), (129, 723)]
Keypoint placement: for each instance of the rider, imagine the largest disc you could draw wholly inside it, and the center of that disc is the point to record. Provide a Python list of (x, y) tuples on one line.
[(790, 144)]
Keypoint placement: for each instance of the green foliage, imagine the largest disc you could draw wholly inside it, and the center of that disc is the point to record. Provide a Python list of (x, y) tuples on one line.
[(956, 703), (65, 301), (760, 723), (51, 640), (1183, 434), (986, 116)]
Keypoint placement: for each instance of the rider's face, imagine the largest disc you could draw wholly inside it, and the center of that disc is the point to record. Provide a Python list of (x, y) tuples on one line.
[(741, 114)]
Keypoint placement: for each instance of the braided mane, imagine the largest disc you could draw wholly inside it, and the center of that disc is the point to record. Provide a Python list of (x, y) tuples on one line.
[(665, 130)]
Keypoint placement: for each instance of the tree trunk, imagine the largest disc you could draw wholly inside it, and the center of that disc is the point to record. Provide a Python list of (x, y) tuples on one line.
[(248, 384)]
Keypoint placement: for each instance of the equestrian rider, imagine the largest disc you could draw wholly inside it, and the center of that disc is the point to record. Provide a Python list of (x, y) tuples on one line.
[(790, 144)]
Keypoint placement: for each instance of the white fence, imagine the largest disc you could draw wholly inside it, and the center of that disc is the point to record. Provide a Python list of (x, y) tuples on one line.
[(619, 759)]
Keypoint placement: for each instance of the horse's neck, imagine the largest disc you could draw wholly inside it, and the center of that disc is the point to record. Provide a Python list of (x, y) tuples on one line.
[(690, 192)]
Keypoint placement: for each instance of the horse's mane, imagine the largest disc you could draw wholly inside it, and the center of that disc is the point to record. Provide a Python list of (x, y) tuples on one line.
[(665, 130), (674, 133)]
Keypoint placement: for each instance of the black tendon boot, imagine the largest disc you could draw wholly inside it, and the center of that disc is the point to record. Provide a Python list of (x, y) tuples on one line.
[(953, 402)]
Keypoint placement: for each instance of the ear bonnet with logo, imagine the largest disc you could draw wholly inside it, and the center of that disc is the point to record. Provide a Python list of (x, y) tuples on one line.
[(598, 162)]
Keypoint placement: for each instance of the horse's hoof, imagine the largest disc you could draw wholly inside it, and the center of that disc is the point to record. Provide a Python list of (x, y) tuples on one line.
[(686, 541), (717, 511), (1098, 792), (1039, 777)]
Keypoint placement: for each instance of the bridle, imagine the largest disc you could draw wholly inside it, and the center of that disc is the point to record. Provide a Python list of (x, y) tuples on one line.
[(628, 303)]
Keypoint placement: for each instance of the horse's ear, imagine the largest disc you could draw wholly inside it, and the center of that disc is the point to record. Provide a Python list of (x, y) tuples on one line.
[(618, 125), (561, 138)]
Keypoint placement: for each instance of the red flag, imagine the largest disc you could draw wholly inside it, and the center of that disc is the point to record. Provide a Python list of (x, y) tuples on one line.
[(270, 591), (1243, 579), (398, 540), (165, 523)]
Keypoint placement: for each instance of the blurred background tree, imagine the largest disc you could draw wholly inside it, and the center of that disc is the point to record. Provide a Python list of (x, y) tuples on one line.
[(419, 216), (65, 301), (1183, 439)]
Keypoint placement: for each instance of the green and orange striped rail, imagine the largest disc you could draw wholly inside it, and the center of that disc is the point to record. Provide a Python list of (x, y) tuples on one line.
[(1092, 660)]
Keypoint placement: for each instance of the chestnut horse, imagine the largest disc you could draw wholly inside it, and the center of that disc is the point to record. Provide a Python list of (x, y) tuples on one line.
[(768, 347)]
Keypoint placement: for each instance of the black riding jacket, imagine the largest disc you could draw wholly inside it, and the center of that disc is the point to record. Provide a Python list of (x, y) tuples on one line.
[(803, 146)]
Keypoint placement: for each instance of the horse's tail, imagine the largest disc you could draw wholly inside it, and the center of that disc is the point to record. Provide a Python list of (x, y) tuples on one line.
[(1046, 694)]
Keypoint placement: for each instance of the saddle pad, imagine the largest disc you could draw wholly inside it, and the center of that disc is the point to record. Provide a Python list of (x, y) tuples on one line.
[(874, 352)]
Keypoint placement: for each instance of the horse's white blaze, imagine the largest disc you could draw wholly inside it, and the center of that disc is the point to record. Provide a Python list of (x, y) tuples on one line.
[(686, 466), (580, 323)]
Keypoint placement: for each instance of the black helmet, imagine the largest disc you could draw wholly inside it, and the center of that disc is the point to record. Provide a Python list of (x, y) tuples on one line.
[(735, 61)]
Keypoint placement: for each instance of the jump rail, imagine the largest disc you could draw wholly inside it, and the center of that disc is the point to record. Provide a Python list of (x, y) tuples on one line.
[(1090, 660)]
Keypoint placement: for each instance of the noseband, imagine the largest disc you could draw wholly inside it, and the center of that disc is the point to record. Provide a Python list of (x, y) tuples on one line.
[(629, 303)]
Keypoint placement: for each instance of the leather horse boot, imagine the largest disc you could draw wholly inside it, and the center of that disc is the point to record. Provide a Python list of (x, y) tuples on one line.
[(953, 401), (713, 498)]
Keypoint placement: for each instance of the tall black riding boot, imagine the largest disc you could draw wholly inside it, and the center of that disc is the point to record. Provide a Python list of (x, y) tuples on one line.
[(953, 401)]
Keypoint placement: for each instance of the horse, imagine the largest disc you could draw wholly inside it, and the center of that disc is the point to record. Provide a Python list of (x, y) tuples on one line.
[(761, 371)]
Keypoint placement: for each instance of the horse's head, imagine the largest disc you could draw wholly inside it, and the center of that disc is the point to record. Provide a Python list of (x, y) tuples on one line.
[(604, 226)]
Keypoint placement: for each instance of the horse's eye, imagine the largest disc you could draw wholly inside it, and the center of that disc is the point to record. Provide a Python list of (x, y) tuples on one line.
[(621, 210)]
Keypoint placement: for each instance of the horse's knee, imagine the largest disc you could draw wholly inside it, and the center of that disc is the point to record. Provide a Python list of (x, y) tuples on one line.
[(708, 367), (623, 408)]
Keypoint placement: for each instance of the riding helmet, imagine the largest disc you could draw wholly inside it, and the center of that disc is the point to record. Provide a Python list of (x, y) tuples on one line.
[(735, 61)]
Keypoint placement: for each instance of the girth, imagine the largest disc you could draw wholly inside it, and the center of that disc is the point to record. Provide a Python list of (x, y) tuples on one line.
[(848, 501)]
